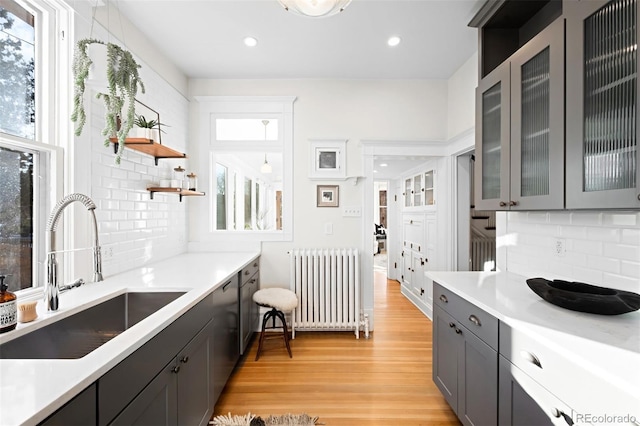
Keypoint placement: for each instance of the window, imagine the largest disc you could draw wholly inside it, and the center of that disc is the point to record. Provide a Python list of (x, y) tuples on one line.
[(221, 197), (28, 131), (248, 191), (17, 71), (254, 200), (16, 216), (250, 143)]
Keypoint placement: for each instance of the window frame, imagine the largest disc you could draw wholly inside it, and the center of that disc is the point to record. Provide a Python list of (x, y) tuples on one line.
[(53, 51), (263, 107)]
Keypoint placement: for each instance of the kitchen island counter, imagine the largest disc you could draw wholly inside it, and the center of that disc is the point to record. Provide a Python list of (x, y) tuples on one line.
[(605, 348)]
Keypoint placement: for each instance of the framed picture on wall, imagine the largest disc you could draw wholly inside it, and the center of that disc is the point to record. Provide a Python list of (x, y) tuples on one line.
[(328, 196), (328, 159)]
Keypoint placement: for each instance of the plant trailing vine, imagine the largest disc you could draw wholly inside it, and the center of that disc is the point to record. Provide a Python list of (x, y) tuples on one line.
[(123, 81)]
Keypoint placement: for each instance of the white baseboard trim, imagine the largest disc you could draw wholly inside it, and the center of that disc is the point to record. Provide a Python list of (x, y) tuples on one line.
[(426, 309)]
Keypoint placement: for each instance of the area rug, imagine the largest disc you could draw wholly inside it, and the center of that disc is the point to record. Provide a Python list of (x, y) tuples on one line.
[(253, 420)]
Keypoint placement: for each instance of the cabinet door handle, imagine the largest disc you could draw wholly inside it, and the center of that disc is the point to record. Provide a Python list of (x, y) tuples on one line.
[(443, 298), (176, 369), (252, 281), (503, 204), (638, 197), (246, 272), (456, 329), (513, 203), (559, 413), (531, 358), (184, 359), (255, 265), (474, 319)]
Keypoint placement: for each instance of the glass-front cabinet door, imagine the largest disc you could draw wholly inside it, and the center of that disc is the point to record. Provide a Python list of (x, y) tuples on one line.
[(537, 121), (417, 190), (408, 192), (492, 140), (429, 186), (602, 104)]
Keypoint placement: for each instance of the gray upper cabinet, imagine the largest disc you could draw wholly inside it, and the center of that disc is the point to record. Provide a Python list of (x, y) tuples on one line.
[(520, 127), (602, 104), (537, 121), (493, 144)]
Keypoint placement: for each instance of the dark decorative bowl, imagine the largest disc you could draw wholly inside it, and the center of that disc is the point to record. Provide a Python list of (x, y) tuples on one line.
[(585, 297)]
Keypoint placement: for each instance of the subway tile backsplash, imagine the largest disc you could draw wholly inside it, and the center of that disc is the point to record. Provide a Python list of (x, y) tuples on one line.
[(600, 248), (135, 230)]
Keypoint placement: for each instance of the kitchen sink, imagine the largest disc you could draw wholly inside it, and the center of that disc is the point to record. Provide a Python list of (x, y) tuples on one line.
[(79, 334)]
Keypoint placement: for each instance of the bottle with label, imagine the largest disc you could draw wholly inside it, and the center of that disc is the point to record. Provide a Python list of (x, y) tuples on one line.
[(8, 308)]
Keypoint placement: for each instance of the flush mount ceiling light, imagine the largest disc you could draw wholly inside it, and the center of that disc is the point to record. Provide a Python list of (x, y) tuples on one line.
[(315, 8), (250, 41), (393, 41)]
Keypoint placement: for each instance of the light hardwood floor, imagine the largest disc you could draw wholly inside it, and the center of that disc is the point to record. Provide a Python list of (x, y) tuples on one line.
[(384, 380)]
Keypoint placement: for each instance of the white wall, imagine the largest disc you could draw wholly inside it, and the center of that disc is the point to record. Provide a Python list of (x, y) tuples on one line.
[(133, 229), (602, 247), (335, 109), (461, 103)]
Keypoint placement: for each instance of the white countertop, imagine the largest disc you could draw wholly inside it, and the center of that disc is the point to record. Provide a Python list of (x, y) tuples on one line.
[(606, 345), (31, 390)]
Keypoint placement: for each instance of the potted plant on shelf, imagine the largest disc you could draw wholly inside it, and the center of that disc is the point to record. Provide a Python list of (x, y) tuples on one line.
[(146, 129), (120, 88)]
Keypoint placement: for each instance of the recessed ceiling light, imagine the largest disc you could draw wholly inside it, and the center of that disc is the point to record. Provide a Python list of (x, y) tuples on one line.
[(383, 165), (393, 41), (250, 41)]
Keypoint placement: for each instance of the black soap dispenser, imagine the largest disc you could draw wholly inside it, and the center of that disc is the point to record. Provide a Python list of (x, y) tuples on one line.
[(8, 308)]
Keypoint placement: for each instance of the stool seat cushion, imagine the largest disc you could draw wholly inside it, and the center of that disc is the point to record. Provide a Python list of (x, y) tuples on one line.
[(280, 298)]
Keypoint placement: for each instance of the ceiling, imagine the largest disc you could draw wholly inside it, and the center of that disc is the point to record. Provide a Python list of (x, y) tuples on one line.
[(204, 38)]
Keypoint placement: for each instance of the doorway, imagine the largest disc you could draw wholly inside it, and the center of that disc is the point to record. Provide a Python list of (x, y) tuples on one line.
[(476, 238), (380, 227)]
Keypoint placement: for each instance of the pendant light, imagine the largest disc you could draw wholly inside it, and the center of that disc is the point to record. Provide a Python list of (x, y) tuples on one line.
[(266, 167), (315, 8)]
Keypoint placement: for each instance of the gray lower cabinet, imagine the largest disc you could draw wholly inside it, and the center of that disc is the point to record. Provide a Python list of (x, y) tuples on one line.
[(143, 378), (524, 402), (517, 407), (465, 358), (248, 310), (226, 350), (181, 393), (465, 369), (80, 411)]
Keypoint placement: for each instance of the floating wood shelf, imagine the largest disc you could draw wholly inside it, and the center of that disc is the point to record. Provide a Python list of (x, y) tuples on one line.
[(150, 147), (179, 191)]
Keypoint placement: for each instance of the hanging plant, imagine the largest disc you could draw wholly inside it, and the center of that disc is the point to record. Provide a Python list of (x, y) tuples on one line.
[(122, 83)]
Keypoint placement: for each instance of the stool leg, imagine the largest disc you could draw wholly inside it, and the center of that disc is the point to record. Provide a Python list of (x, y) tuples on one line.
[(262, 333), (280, 315)]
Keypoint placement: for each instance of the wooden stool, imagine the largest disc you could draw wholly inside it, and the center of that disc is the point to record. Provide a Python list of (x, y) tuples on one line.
[(280, 300)]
